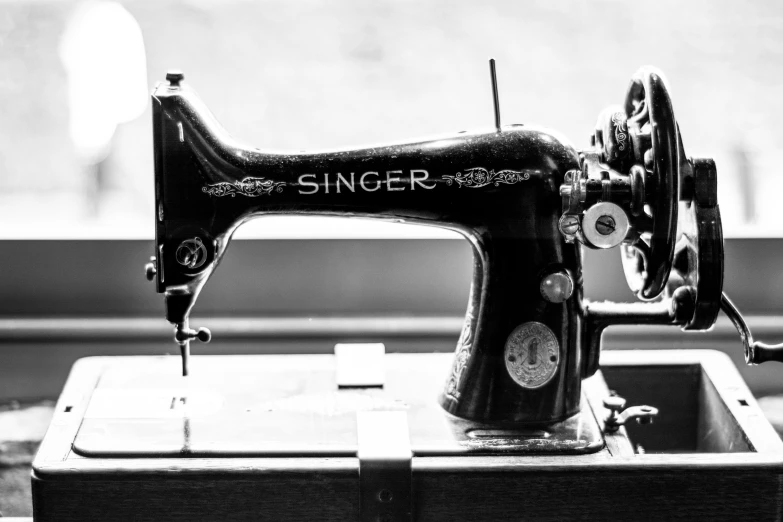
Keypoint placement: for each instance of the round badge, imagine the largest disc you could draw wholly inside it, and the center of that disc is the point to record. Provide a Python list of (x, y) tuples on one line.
[(532, 355)]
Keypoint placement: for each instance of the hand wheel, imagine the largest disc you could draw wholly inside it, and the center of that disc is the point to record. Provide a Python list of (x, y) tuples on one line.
[(647, 261)]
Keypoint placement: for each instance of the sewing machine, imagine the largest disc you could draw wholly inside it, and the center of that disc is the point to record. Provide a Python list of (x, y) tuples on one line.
[(526, 419)]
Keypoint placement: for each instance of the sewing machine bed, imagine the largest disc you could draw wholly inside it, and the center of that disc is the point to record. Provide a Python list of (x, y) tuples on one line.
[(290, 406), (273, 438)]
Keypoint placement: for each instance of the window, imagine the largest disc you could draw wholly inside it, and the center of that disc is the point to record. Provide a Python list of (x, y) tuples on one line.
[(76, 141), (75, 133)]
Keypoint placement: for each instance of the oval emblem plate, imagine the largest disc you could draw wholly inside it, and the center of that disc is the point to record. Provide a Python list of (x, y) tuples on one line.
[(532, 355)]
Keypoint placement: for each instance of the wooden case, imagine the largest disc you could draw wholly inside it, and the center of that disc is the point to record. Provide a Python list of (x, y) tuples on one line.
[(710, 454)]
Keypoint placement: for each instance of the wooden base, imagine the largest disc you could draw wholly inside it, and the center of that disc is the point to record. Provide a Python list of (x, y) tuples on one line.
[(711, 454)]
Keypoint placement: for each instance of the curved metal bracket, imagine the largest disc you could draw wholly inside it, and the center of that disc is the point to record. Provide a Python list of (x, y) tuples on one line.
[(676, 310)]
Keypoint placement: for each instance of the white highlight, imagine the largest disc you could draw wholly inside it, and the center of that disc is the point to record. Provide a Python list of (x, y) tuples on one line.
[(102, 51)]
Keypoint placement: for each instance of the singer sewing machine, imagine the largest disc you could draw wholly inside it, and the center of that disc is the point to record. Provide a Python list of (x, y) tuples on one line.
[(526, 420)]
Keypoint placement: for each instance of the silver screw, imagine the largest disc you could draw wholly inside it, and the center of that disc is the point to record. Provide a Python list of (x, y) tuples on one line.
[(150, 269), (569, 224), (605, 225)]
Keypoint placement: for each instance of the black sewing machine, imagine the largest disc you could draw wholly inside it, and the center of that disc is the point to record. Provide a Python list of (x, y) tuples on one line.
[(520, 423)]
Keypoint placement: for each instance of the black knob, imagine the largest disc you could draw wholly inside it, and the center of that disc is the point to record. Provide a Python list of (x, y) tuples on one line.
[(204, 335), (174, 77)]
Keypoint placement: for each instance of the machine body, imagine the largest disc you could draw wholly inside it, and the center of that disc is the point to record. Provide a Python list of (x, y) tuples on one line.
[(525, 199), (499, 189)]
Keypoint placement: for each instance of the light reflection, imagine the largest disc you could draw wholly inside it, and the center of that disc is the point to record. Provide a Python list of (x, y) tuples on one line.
[(102, 51)]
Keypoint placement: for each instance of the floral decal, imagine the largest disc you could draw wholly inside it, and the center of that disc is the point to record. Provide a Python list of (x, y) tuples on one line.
[(479, 177), (461, 356), (620, 130), (251, 187)]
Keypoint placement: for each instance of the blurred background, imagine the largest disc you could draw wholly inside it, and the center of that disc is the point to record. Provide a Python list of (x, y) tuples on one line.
[(75, 124)]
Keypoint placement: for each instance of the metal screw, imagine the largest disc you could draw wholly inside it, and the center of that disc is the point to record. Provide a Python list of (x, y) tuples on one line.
[(150, 270), (385, 495), (605, 225), (569, 224), (174, 76)]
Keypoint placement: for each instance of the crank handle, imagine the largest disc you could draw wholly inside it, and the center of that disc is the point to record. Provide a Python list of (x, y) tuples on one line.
[(755, 352)]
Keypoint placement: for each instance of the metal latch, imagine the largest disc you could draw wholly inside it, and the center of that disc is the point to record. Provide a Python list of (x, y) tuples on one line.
[(385, 476), (619, 415)]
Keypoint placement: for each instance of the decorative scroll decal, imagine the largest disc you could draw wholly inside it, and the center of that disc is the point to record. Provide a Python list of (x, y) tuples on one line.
[(191, 253), (620, 130), (479, 177), (251, 187), (461, 356)]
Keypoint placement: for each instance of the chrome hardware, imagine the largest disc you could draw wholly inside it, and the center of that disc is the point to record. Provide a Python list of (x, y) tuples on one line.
[(755, 352), (605, 225), (150, 270), (569, 226), (619, 415), (385, 466), (556, 287)]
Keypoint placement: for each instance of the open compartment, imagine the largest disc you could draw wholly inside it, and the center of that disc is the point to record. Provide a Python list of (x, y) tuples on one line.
[(700, 405)]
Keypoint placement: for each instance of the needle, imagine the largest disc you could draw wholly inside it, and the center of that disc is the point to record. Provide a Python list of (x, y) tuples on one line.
[(182, 335), (184, 349)]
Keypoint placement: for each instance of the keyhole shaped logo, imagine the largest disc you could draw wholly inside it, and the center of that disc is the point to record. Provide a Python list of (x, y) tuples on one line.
[(192, 253), (532, 353)]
